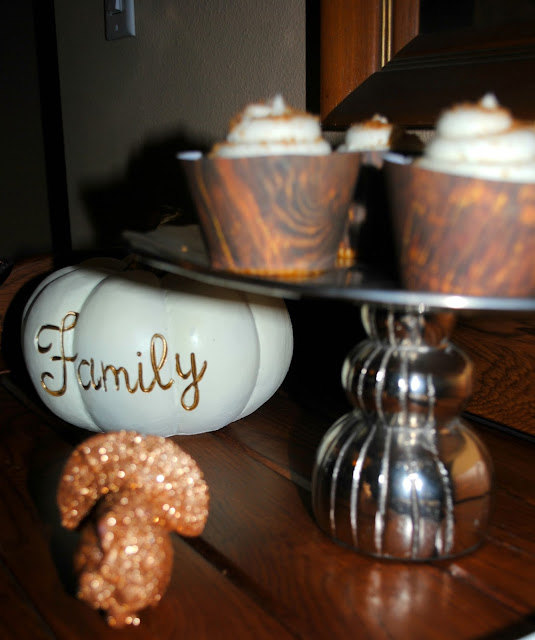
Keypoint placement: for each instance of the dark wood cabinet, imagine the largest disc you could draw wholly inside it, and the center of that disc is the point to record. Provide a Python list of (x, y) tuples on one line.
[(383, 57)]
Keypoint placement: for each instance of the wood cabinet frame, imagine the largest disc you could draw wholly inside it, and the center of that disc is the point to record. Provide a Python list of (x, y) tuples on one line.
[(373, 59)]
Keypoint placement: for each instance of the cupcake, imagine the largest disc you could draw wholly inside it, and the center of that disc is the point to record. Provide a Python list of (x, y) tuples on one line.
[(464, 213), (482, 140), (376, 134), (272, 128), (369, 230), (273, 198)]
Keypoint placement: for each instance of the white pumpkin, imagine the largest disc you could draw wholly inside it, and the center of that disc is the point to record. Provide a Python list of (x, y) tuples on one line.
[(109, 348)]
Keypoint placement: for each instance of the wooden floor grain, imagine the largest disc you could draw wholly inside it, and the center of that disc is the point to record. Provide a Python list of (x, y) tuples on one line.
[(262, 568)]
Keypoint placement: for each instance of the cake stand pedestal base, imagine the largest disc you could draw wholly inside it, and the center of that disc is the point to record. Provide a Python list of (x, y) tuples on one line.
[(401, 476)]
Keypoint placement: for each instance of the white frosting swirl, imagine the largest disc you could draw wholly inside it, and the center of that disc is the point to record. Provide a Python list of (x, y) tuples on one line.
[(273, 128), (482, 140), (371, 135)]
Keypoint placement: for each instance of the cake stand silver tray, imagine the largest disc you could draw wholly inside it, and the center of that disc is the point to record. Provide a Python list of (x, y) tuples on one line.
[(181, 250), (400, 476)]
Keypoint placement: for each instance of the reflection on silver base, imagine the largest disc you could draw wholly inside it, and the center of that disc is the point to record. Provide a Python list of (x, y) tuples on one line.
[(401, 476)]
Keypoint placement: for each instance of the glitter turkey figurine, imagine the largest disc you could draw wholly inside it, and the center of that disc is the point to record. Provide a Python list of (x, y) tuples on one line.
[(135, 490)]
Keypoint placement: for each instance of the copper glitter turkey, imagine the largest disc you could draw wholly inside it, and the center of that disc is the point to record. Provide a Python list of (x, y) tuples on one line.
[(136, 489)]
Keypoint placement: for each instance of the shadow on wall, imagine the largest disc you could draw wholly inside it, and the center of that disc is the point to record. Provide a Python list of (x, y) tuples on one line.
[(152, 190)]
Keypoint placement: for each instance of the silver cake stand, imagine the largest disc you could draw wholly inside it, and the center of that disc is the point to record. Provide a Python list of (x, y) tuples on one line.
[(399, 476)]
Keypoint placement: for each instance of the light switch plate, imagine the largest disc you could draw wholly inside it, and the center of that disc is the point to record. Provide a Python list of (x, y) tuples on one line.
[(120, 19)]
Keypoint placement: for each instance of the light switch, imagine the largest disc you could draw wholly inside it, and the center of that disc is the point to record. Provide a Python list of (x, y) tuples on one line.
[(120, 19), (114, 6)]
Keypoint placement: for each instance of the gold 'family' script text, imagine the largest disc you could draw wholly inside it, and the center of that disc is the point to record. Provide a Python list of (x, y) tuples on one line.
[(92, 375)]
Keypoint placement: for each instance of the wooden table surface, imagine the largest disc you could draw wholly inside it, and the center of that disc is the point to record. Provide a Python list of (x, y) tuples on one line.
[(262, 568)]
